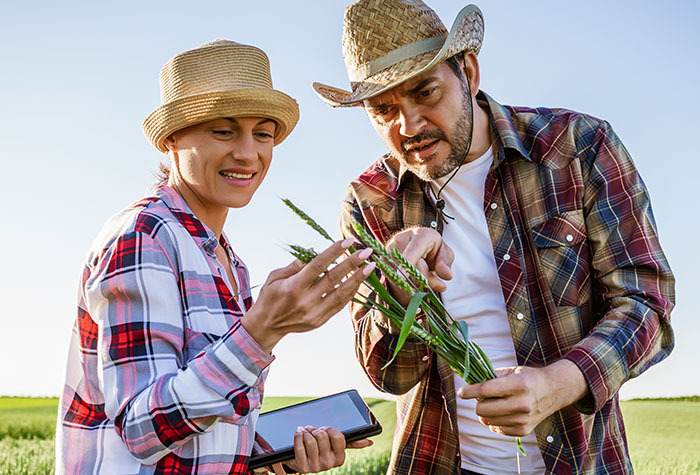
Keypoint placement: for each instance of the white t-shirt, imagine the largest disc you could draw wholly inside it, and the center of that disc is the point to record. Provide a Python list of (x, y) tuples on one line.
[(474, 295)]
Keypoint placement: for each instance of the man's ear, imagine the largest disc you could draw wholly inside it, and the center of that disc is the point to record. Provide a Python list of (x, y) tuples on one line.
[(470, 65)]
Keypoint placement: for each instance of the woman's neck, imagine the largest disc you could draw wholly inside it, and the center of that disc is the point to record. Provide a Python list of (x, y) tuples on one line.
[(213, 217)]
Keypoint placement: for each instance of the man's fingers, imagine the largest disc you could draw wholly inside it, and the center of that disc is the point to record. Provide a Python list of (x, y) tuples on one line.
[(420, 247), (443, 261), (481, 390)]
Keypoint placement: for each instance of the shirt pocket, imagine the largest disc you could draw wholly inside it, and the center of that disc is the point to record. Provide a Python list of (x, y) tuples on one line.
[(562, 248)]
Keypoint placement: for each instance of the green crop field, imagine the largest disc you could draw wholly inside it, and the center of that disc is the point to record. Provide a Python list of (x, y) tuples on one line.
[(664, 436)]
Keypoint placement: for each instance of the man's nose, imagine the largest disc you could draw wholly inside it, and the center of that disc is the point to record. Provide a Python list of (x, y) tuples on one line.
[(411, 120)]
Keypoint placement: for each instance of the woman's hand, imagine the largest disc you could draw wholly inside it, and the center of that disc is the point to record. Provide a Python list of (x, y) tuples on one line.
[(317, 450), (302, 297)]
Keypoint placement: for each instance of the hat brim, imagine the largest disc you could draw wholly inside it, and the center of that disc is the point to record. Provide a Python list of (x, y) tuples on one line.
[(188, 111), (466, 34)]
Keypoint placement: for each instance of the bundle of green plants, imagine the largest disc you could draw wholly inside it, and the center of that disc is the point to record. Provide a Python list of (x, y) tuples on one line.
[(425, 317)]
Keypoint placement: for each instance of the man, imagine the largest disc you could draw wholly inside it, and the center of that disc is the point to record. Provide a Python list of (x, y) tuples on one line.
[(542, 227)]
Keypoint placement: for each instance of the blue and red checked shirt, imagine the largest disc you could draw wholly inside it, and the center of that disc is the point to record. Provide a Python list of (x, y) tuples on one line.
[(582, 273), (161, 375)]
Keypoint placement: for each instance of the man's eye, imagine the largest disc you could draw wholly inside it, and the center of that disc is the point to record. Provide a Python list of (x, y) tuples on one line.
[(382, 112), (265, 135), (426, 92), (222, 132)]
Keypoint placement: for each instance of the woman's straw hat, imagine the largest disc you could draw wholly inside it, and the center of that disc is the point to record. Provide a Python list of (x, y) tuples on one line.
[(215, 80), (387, 42)]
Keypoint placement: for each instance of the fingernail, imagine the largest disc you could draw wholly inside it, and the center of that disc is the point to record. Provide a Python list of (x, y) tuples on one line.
[(322, 428), (369, 268), (309, 427), (365, 253), (347, 243), (300, 429)]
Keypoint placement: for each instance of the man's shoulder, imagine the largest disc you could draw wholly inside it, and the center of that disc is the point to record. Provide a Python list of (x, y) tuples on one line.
[(555, 136), (376, 185)]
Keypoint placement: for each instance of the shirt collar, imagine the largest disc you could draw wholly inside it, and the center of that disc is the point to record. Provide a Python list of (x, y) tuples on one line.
[(501, 127), (202, 235)]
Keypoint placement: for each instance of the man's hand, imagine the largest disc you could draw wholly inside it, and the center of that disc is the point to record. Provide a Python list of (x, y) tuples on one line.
[(522, 397), (425, 249)]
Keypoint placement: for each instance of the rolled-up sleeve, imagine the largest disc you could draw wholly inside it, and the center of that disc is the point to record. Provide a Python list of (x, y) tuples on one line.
[(155, 396)]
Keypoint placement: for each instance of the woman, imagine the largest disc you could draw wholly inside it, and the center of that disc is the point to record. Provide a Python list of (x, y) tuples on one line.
[(169, 353)]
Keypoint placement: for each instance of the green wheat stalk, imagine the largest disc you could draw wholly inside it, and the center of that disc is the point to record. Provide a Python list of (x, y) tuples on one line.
[(447, 337)]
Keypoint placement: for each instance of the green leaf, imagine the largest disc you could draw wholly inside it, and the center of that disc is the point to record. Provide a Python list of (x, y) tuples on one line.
[(463, 328), (520, 446), (407, 323)]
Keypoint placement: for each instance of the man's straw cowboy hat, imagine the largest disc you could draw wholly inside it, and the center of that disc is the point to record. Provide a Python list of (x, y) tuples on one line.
[(387, 42), (216, 80)]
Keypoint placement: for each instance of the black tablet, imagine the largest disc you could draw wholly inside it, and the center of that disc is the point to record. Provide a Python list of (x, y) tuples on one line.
[(345, 411)]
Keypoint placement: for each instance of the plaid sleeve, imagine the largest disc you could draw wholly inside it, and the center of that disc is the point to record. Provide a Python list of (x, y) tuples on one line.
[(632, 279), (376, 337), (155, 396)]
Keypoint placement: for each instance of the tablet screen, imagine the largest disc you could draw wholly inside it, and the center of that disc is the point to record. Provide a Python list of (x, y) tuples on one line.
[(338, 411)]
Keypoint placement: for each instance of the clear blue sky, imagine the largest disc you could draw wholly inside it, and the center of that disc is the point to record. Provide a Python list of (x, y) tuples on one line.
[(78, 78)]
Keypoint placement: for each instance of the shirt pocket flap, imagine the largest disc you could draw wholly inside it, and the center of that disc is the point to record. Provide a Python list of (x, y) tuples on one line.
[(565, 229)]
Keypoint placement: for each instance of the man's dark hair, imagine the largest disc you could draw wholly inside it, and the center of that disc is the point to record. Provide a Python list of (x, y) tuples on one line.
[(456, 67)]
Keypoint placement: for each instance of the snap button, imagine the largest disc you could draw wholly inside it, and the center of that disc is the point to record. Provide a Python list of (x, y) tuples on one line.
[(494, 206), (506, 257), (520, 316), (550, 439), (433, 224), (569, 237)]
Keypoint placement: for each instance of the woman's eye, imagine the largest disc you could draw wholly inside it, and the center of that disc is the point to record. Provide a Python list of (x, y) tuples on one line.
[(426, 92), (222, 132), (264, 135)]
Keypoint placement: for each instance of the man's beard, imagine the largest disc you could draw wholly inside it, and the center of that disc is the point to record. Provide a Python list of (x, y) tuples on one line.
[(460, 142)]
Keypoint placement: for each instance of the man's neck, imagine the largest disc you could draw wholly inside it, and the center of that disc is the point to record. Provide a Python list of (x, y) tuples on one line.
[(481, 137)]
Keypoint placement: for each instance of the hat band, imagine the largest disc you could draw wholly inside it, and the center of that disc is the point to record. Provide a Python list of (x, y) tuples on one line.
[(364, 71)]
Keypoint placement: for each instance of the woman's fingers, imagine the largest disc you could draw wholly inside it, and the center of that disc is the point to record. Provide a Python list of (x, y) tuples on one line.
[(336, 299), (308, 275), (301, 460), (312, 450), (359, 444), (335, 276), (337, 441)]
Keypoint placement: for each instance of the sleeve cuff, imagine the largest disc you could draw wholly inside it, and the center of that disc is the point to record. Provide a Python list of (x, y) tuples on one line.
[(593, 373), (234, 359)]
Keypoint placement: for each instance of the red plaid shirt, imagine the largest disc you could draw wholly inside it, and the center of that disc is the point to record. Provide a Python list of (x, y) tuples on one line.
[(585, 280), (161, 375)]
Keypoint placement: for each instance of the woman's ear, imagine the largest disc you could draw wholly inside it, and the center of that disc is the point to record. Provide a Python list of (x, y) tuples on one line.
[(169, 142), (471, 67)]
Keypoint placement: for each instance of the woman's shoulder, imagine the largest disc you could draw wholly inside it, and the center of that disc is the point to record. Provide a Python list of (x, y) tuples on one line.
[(150, 218)]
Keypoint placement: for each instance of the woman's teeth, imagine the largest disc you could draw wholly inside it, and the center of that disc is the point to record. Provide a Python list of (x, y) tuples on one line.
[(237, 176)]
